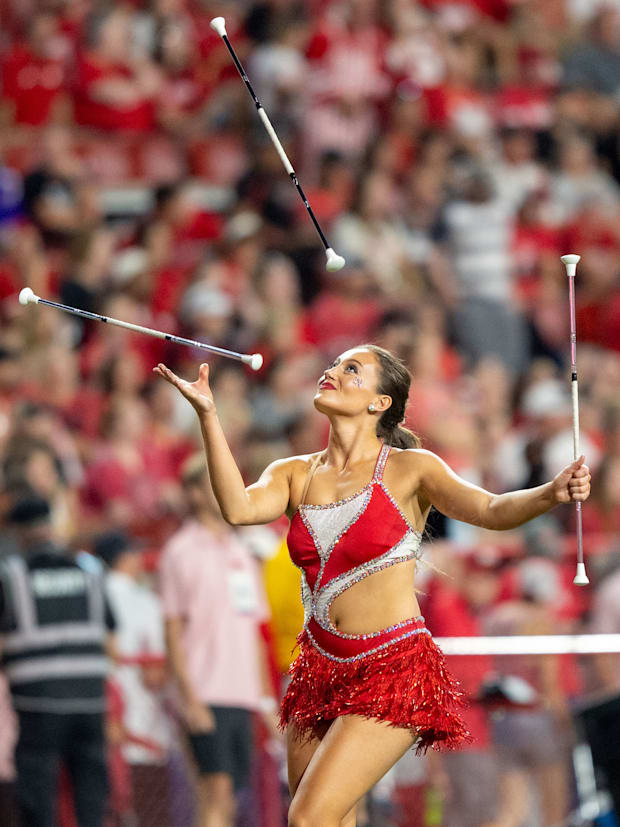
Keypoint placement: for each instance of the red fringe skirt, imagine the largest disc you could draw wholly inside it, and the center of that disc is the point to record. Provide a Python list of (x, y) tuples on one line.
[(405, 683)]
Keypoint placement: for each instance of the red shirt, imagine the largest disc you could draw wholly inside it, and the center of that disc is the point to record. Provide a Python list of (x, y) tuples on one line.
[(448, 615), (139, 117), (335, 321), (523, 106), (185, 91), (598, 321), (33, 83)]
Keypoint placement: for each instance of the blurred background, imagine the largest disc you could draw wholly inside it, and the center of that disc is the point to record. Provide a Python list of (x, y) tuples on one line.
[(452, 151)]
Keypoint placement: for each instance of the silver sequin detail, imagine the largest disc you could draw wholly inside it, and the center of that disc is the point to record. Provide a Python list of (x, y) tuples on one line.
[(306, 598), (325, 596), (422, 631), (380, 467)]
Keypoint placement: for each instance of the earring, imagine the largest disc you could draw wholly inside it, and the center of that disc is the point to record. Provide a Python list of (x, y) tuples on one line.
[(371, 408)]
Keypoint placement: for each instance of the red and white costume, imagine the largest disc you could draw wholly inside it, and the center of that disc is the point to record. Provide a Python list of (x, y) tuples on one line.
[(397, 674)]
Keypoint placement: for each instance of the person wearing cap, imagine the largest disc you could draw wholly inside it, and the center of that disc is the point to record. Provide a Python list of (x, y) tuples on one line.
[(56, 626), (139, 675), (213, 606)]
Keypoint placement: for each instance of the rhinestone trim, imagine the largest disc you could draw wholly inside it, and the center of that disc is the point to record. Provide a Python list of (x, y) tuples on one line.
[(324, 597), (306, 598), (380, 466), (391, 498), (423, 631), (336, 503), (376, 478)]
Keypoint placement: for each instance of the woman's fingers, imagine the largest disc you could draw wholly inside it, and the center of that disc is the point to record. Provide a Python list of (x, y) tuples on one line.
[(171, 377), (198, 393), (579, 484)]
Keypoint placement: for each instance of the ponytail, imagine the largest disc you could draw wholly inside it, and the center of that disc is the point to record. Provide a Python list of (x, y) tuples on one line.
[(398, 436), (394, 381)]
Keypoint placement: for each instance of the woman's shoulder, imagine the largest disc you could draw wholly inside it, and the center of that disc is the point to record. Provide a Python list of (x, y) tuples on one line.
[(299, 463), (415, 465)]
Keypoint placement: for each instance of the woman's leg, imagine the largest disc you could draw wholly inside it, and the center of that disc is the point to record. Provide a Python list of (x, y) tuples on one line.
[(352, 756), (299, 754)]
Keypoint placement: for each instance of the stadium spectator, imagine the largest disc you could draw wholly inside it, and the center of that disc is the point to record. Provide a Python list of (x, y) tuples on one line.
[(476, 231), (139, 675), (579, 181), (517, 174), (116, 84), (186, 84), (55, 622), (593, 63), (35, 74), (213, 605), (8, 739), (129, 481), (474, 795), (57, 194), (537, 737)]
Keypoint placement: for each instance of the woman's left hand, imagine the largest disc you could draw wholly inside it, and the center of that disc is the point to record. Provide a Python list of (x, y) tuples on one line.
[(573, 483)]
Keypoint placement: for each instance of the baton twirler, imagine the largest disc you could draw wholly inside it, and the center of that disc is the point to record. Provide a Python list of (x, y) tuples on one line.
[(570, 262)]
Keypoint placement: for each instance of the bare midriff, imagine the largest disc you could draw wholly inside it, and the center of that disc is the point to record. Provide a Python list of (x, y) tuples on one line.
[(377, 602)]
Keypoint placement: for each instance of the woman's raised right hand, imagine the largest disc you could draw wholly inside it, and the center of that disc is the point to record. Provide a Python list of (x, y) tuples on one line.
[(197, 393)]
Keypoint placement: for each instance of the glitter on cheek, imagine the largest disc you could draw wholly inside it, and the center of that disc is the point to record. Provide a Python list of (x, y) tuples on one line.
[(357, 380)]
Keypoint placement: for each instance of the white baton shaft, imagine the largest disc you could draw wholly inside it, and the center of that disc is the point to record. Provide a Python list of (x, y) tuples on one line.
[(570, 263)]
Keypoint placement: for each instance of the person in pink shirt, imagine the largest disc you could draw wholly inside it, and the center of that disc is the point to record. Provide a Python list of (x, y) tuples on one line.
[(213, 604)]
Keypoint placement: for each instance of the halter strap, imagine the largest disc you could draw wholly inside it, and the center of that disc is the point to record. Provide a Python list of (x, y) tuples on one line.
[(381, 460), (309, 476), (376, 477)]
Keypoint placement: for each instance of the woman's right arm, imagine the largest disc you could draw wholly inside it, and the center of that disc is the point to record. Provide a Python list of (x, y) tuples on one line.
[(265, 500)]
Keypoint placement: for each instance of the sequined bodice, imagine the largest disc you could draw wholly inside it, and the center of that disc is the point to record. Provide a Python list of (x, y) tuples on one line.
[(339, 544)]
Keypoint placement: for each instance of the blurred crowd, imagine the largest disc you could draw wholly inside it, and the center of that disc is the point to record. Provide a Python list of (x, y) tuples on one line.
[(452, 150)]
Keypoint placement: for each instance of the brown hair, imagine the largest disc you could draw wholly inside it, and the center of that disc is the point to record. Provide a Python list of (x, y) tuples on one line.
[(394, 381)]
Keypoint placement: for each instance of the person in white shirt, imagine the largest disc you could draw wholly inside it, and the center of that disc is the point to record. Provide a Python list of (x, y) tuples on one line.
[(139, 675)]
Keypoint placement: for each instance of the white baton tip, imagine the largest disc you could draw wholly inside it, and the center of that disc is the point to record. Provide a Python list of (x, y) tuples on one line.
[(26, 296), (570, 261), (334, 261), (581, 578), (256, 362), (218, 24)]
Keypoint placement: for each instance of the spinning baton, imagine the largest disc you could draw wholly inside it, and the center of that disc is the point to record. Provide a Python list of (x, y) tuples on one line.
[(334, 261), (570, 262), (254, 360)]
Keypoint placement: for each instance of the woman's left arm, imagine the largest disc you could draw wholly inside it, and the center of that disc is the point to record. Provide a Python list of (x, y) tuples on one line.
[(461, 500)]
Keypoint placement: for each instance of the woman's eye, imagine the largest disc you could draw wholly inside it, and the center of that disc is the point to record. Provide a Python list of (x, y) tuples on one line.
[(352, 367)]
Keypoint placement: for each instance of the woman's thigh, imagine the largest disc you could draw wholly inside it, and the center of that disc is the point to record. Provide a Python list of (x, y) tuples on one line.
[(349, 760), (299, 753)]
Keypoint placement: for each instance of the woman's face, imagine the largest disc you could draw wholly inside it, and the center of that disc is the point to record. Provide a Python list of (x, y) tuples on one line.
[(349, 384), (42, 473)]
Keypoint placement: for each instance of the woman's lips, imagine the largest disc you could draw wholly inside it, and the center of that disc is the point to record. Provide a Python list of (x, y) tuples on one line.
[(327, 386)]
